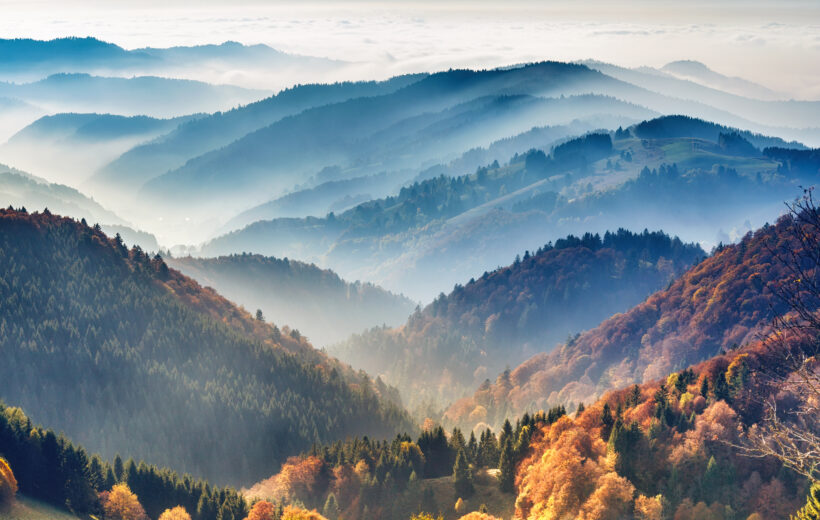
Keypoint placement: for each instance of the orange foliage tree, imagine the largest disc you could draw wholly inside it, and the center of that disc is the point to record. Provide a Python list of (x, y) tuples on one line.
[(611, 500), (175, 513), (301, 477), (8, 484), (121, 504), (262, 510)]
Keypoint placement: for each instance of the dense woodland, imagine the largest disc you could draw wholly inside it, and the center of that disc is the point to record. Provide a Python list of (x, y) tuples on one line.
[(505, 316), (444, 197), (115, 349), (720, 304), (728, 438), (363, 479), (49, 467), (605, 375), (433, 231)]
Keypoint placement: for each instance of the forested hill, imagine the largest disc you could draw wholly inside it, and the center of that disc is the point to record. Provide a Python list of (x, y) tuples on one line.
[(719, 304), (126, 355), (315, 301), (516, 311)]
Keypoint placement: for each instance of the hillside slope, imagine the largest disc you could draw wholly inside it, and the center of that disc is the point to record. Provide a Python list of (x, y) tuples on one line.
[(18, 188), (315, 301), (722, 302), (680, 174), (513, 312), (126, 355), (25, 508), (148, 160), (69, 147), (666, 449)]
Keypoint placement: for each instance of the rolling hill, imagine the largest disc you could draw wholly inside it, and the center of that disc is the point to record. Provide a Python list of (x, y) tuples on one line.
[(445, 113), (69, 148), (142, 95), (256, 66), (509, 314), (439, 231), (149, 160), (315, 301), (721, 303), (686, 444), (18, 188), (126, 355)]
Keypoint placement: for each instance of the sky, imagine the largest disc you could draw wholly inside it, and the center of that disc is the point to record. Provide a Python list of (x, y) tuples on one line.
[(776, 44)]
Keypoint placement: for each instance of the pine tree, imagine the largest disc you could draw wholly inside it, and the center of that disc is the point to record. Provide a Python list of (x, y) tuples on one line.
[(635, 395), (119, 472), (506, 465), (463, 475), (704, 387), (472, 448), (607, 421), (721, 387)]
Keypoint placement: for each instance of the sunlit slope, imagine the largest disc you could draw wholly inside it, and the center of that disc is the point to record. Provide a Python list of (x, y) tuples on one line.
[(125, 355)]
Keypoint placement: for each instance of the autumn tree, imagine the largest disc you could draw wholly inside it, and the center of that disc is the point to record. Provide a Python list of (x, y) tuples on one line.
[(296, 513), (649, 508), (121, 504), (8, 484), (175, 513), (262, 510), (792, 435), (611, 500)]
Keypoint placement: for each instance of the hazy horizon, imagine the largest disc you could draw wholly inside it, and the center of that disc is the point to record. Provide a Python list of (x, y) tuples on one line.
[(383, 39)]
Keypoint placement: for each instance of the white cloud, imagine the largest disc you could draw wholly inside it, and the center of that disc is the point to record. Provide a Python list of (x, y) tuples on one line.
[(775, 44)]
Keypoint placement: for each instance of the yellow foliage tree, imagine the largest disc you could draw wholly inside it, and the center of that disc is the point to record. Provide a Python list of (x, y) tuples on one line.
[(426, 516), (176, 513), (262, 510), (121, 504), (295, 513), (475, 515), (648, 508), (459, 507), (611, 500), (8, 484)]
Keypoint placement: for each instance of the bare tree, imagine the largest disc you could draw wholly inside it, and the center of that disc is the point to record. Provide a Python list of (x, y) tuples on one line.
[(791, 367)]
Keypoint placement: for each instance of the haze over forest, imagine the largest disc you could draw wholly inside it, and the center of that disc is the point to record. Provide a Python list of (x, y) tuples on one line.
[(409, 260)]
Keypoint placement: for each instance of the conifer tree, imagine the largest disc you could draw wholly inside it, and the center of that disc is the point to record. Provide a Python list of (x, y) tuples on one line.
[(331, 510), (506, 465), (607, 421), (463, 475)]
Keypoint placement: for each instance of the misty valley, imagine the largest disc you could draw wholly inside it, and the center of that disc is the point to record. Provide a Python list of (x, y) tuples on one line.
[(239, 282)]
